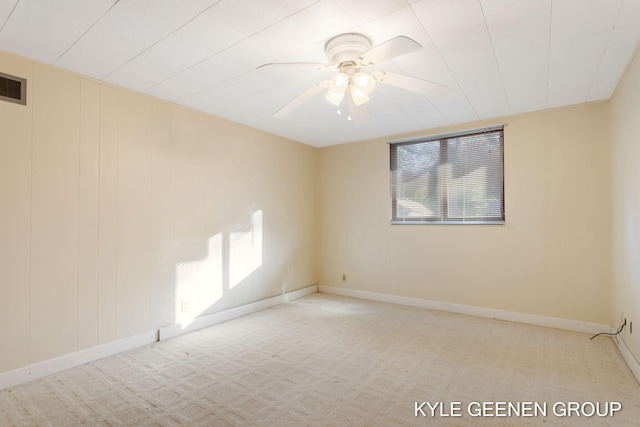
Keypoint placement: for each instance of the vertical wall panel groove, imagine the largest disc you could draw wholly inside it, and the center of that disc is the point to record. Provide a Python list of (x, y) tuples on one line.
[(16, 122), (109, 197), (54, 256)]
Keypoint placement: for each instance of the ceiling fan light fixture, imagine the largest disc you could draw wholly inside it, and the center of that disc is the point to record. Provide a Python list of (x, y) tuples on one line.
[(349, 53), (339, 83), (358, 96), (337, 88), (363, 81), (335, 98)]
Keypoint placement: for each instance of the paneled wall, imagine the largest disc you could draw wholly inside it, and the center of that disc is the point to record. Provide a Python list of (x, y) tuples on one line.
[(120, 214)]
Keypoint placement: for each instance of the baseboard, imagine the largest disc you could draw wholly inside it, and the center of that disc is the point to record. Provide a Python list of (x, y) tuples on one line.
[(628, 357), (71, 360), (58, 364), (531, 319), (223, 316)]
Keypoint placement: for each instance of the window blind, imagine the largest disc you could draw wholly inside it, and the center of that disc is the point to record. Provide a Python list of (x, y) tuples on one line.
[(457, 178)]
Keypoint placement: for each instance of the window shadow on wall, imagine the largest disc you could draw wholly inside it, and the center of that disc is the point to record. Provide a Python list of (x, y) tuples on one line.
[(231, 257)]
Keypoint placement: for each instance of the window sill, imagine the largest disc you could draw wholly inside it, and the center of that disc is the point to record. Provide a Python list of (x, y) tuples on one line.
[(447, 222)]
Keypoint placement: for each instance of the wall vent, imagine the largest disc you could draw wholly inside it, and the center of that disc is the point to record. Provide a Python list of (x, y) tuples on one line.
[(13, 89)]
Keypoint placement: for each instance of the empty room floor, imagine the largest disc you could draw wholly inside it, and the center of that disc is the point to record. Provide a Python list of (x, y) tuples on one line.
[(325, 360)]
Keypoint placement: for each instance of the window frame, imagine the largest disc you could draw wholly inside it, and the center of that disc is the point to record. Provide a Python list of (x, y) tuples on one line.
[(443, 139)]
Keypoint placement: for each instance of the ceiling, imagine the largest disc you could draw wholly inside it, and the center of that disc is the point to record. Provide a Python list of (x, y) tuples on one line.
[(498, 57)]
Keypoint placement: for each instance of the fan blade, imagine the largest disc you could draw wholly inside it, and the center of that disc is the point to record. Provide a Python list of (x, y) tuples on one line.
[(424, 87), (359, 113), (300, 99), (390, 49), (300, 65)]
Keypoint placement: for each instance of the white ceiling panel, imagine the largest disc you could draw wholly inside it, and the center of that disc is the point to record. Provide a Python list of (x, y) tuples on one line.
[(629, 14), (523, 56), (452, 24), (145, 70), (363, 11), (247, 54), (6, 7), (314, 24), (99, 53), (529, 96), (570, 81), (533, 41), (249, 17), (209, 31), (131, 24), (168, 14), (455, 105), (592, 44), (251, 82), (572, 8), (514, 17), (498, 57), (43, 30), (496, 105), (400, 22), (426, 67), (612, 67), (424, 115), (181, 48), (219, 95), (459, 32), (590, 18), (624, 35), (479, 76), (181, 86), (523, 72)]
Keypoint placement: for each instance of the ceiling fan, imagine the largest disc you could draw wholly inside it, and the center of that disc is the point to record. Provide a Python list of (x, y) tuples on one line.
[(349, 54)]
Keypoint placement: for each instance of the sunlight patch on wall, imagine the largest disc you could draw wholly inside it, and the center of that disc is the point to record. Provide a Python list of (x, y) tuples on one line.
[(245, 250), (199, 284), (231, 258)]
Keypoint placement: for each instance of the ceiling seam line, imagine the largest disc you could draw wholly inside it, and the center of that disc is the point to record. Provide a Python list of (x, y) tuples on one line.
[(161, 39), (446, 64), (85, 33), (549, 52), (495, 57), (227, 48), (9, 15), (595, 75)]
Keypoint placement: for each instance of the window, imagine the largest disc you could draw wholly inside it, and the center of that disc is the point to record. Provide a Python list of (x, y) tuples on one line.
[(449, 179)]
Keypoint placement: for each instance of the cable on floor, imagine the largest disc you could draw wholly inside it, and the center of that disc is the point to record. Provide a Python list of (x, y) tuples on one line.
[(613, 335)]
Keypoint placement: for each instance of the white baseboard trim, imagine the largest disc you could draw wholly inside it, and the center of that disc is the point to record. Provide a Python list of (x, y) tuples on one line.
[(223, 316), (71, 360), (628, 357), (61, 363), (512, 316)]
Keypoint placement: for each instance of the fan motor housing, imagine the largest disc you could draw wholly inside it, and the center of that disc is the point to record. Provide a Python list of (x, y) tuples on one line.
[(346, 47)]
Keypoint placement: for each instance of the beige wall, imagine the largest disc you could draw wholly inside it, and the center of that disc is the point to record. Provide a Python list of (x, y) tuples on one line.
[(551, 258), (625, 135), (117, 208)]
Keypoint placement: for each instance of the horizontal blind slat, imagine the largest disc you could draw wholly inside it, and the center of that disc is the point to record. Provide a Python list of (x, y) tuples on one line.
[(463, 182)]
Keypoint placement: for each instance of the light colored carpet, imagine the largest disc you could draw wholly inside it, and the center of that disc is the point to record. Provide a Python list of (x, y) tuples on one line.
[(325, 360)]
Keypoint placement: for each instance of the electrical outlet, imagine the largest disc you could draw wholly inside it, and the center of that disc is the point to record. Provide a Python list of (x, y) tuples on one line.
[(344, 277), (184, 306)]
